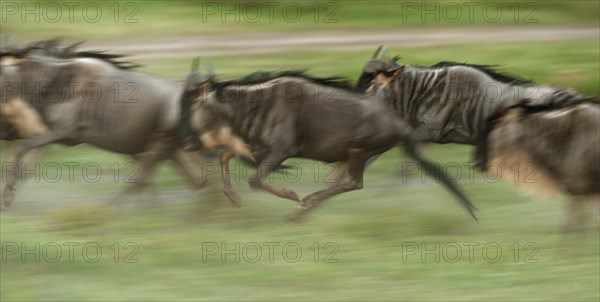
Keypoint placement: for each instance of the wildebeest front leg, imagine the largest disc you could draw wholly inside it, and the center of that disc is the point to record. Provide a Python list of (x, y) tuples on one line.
[(147, 162), (356, 168), (20, 151), (224, 159), (267, 166), (186, 172)]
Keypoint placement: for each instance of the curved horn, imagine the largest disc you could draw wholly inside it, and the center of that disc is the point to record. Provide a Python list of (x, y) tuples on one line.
[(6, 41), (195, 63), (384, 52), (208, 67), (376, 54), (73, 47)]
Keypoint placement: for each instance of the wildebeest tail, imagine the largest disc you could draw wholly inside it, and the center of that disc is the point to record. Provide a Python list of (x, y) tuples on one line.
[(430, 168)]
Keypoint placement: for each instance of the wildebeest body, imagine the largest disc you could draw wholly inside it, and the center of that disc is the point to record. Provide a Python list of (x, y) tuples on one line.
[(284, 122), (87, 97), (560, 145), (324, 120), (98, 103)]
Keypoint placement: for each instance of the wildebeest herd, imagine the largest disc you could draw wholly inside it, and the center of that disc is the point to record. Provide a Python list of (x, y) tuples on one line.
[(268, 117)]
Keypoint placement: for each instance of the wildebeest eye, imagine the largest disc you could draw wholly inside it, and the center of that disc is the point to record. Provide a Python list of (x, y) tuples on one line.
[(365, 80)]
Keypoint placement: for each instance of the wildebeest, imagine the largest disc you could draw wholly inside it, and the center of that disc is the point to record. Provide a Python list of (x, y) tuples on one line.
[(449, 102), (454, 102), (553, 148), (289, 114), (89, 97)]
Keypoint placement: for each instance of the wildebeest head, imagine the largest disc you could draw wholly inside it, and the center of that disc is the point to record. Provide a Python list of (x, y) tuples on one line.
[(18, 118), (378, 71), (197, 98), (204, 119)]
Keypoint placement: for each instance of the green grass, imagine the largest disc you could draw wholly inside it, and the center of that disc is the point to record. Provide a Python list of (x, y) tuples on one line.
[(567, 64), (371, 228), (157, 18)]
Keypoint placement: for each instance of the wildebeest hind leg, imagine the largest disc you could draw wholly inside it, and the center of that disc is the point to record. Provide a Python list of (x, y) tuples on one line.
[(267, 166), (575, 221), (356, 168), (340, 171), (598, 212), (224, 159)]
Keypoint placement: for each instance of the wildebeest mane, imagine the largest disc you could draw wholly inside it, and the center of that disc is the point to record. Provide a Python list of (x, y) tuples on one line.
[(258, 77), (52, 48), (487, 69)]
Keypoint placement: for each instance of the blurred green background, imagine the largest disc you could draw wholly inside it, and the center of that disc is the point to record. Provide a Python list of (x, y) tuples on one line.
[(369, 233)]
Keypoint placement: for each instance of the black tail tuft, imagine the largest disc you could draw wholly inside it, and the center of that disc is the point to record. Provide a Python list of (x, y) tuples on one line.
[(430, 168)]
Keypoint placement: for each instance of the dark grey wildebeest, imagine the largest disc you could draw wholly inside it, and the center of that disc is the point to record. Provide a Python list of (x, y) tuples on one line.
[(60, 95), (554, 148), (289, 114), (449, 102)]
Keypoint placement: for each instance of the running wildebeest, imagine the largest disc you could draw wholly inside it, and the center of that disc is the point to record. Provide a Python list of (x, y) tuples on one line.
[(89, 97), (452, 102), (289, 114), (449, 102), (555, 149)]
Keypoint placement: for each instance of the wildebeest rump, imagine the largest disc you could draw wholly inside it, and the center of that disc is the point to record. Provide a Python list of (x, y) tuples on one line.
[(91, 97), (289, 114), (554, 148)]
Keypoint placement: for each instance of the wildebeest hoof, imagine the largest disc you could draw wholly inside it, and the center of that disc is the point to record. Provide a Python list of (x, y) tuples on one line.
[(8, 196), (201, 184), (301, 205), (234, 198), (291, 195), (295, 217), (308, 202)]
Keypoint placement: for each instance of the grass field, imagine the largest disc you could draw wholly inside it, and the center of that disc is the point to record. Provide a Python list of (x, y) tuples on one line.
[(400, 238), (106, 19), (377, 239)]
